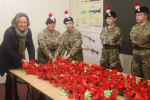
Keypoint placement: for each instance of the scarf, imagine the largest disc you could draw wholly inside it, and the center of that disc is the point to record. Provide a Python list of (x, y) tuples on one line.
[(22, 39)]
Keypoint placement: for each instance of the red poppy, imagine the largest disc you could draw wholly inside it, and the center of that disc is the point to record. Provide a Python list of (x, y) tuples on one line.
[(25, 65), (143, 82), (70, 91), (79, 88), (39, 74), (77, 77), (133, 76), (63, 81), (79, 96), (44, 76), (32, 62), (29, 71), (55, 82), (114, 95)]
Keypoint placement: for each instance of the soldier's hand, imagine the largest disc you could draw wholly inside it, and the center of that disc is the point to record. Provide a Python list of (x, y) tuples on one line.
[(53, 60), (64, 58)]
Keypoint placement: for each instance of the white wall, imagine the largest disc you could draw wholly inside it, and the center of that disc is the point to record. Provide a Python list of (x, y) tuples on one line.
[(37, 10)]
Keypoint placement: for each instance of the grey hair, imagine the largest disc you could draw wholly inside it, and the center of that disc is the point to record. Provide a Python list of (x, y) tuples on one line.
[(16, 19)]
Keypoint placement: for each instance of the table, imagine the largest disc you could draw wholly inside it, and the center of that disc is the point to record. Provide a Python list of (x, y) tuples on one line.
[(41, 85), (38, 84)]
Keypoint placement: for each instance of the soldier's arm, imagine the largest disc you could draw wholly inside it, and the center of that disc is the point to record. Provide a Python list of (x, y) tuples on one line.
[(121, 41), (42, 45), (101, 34), (63, 46), (77, 44), (131, 33), (59, 48)]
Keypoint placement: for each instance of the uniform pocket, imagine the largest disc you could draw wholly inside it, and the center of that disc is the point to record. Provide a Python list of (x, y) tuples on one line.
[(115, 54)]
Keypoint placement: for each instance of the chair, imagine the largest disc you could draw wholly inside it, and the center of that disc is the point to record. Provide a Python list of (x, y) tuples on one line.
[(23, 82)]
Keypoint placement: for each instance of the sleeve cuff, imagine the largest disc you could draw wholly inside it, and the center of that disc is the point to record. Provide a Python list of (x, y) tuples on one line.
[(71, 53)]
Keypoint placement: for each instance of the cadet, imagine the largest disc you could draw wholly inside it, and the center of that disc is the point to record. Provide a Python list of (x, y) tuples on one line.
[(49, 41), (72, 40), (140, 37), (113, 42)]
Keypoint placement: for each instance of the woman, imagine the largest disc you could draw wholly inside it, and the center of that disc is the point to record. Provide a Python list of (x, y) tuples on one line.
[(49, 41), (72, 40), (140, 37), (12, 50), (113, 42)]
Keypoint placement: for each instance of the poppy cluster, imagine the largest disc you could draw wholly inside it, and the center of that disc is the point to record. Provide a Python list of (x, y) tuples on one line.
[(83, 81)]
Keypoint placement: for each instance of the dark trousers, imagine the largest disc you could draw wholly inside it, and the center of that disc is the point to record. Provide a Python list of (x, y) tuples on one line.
[(8, 87)]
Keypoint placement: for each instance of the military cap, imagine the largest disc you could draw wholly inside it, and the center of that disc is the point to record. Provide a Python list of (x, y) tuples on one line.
[(140, 9), (67, 17), (51, 19), (109, 13)]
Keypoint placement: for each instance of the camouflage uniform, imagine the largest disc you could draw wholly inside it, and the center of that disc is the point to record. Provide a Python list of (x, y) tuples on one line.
[(113, 42), (49, 45), (72, 42), (140, 37)]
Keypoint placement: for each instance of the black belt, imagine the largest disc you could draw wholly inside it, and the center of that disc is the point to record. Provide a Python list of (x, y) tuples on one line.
[(111, 46), (52, 49), (140, 48)]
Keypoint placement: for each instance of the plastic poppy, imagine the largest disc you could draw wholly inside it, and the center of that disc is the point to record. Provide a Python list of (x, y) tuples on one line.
[(25, 65)]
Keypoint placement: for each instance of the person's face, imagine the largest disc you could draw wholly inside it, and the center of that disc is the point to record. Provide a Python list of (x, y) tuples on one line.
[(141, 17), (22, 23), (51, 26), (69, 25), (110, 20)]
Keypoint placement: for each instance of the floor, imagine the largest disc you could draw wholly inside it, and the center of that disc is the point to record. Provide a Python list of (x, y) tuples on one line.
[(22, 92)]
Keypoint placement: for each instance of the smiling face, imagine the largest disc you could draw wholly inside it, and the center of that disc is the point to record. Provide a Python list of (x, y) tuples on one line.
[(22, 23), (141, 17), (69, 25), (111, 20), (51, 26)]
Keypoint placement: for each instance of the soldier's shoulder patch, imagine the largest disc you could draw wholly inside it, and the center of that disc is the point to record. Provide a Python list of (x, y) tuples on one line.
[(133, 27), (104, 29), (64, 34), (148, 27), (117, 29), (76, 30), (57, 32), (136, 25), (42, 32), (78, 34)]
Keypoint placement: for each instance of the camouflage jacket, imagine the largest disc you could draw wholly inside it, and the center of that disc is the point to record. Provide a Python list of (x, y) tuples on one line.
[(72, 42), (112, 36), (49, 44), (140, 35)]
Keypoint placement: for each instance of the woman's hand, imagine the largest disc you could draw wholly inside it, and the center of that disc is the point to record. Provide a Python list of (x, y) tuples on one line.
[(23, 61)]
